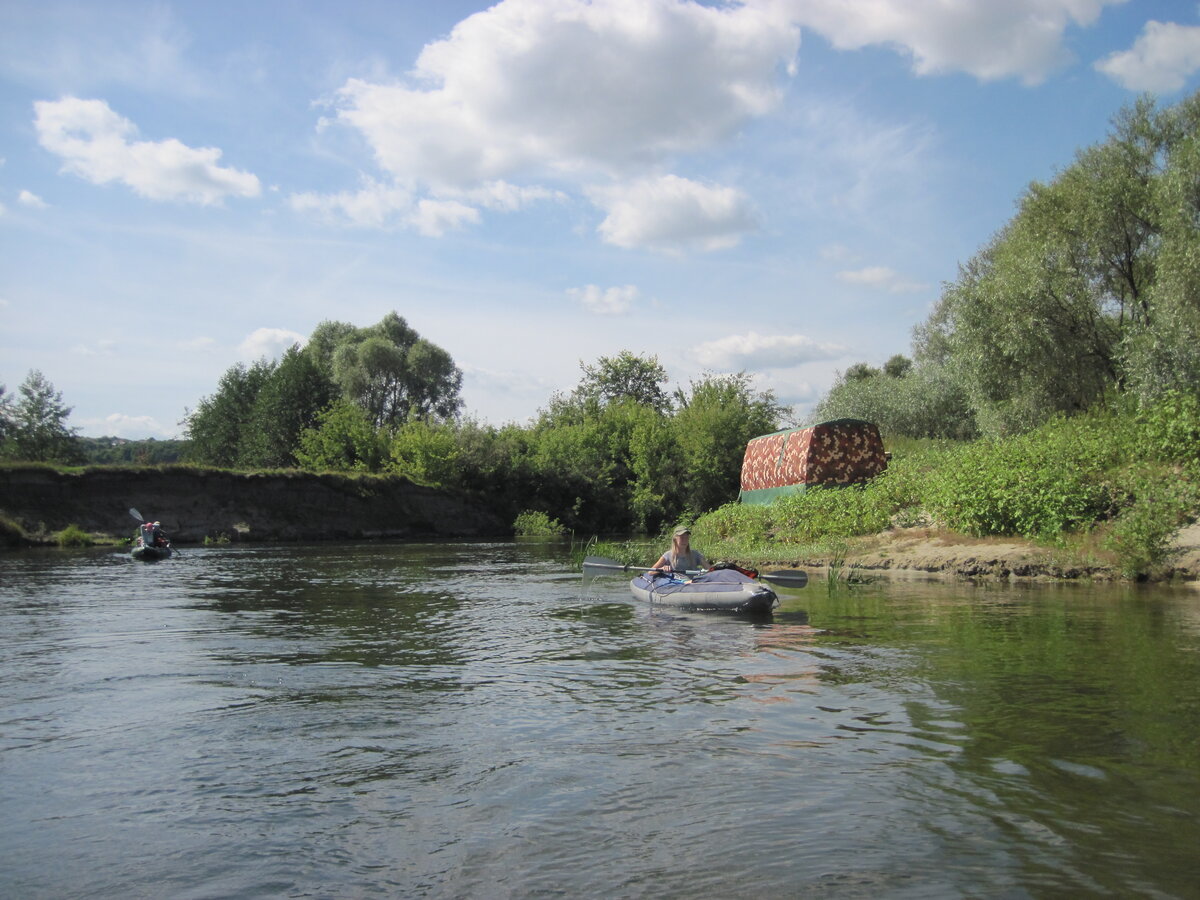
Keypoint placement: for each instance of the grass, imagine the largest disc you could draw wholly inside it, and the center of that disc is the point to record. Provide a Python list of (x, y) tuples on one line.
[(1109, 485)]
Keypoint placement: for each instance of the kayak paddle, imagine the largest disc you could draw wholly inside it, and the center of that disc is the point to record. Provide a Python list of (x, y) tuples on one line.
[(792, 578)]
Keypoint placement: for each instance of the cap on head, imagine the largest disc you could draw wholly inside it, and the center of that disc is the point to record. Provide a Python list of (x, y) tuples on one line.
[(682, 530)]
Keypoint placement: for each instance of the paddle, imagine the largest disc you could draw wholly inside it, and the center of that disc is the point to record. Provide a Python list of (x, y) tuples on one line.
[(792, 578)]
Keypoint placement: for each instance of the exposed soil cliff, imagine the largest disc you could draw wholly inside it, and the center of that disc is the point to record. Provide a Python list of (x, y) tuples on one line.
[(194, 504)]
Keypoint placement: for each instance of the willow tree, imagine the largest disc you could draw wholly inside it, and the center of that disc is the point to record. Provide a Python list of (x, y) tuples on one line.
[(395, 375), (1092, 281)]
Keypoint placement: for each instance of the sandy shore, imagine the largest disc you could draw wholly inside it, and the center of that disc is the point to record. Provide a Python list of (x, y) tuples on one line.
[(920, 552)]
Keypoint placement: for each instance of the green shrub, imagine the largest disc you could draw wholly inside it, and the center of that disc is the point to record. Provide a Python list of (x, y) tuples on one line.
[(73, 536), (532, 523)]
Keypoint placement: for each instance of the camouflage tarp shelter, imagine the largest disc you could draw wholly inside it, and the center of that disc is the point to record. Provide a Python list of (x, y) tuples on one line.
[(844, 451)]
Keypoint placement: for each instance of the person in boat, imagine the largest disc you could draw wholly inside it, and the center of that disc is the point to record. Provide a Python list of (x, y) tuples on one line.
[(681, 557), (153, 536)]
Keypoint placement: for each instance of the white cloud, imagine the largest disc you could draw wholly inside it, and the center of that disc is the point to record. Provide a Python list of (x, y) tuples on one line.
[(989, 40), (1161, 59), (756, 352), (558, 84), (433, 218), (613, 301), (30, 199), (561, 90), (882, 278), (373, 205), (269, 343), (97, 144), (672, 213)]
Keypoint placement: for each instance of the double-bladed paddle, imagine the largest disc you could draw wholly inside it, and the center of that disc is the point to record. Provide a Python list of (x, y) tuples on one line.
[(792, 578)]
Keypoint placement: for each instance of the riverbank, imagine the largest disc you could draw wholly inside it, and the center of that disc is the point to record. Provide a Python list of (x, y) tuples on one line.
[(196, 504), (927, 553)]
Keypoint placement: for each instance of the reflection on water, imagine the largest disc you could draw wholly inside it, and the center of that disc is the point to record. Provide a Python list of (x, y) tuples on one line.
[(454, 720)]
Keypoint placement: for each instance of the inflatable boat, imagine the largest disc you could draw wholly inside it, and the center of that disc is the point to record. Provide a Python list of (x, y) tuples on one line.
[(720, 590)]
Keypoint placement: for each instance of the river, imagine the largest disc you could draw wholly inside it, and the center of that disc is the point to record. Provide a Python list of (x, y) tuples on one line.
[(460, 720)]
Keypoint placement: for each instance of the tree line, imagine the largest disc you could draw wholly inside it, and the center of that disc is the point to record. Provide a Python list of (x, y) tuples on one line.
[(620, 452), (1089, 295)]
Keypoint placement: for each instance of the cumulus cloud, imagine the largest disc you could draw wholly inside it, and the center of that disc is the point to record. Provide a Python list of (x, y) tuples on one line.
[(100, 146), (269, 343), (1161, 59), (672, 214), (881, 278), (30, 199), (755, 352), (1014, 39), (613, 301), (556, 84), (531, 91)]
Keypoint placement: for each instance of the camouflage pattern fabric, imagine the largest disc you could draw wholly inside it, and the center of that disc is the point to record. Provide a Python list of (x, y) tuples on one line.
[(840, 452)]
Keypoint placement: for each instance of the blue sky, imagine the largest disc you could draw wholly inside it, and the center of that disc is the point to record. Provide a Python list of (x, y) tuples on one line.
[(779, 187)]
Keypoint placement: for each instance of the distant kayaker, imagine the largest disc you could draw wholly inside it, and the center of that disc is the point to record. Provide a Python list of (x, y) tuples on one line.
[(153, 536), (681, 557)]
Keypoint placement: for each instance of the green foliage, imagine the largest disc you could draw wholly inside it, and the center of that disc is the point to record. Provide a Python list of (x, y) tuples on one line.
[(1132, 477), (220, 425), (395, 375), (289, 400), (1093, 287), (73, 536), (626, 376), (1169, 429), (534, 523), (33, 428), (343, 440), (1155, 505), (716, 417), (922, 402), (120, 451), (425, 452)]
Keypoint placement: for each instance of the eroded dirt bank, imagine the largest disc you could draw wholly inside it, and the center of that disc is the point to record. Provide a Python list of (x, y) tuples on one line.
[(195, 504)]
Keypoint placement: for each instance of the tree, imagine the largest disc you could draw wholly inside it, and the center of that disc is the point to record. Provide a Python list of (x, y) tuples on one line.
[(626, 375), (343, 440), (6, 416), (425, 452), (395, 375), (860, 372), (289, 401), (715, 419), (36, 428), (898, 366), (221, 424)]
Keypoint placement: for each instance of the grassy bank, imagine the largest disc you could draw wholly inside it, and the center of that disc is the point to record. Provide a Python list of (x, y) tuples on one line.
[(1108, 487)]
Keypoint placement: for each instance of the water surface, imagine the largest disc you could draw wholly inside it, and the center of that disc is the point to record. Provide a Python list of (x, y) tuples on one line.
[(475, 720)]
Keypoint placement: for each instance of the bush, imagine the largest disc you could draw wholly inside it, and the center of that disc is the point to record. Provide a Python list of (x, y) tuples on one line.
[(531, 523), (73, 536)]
